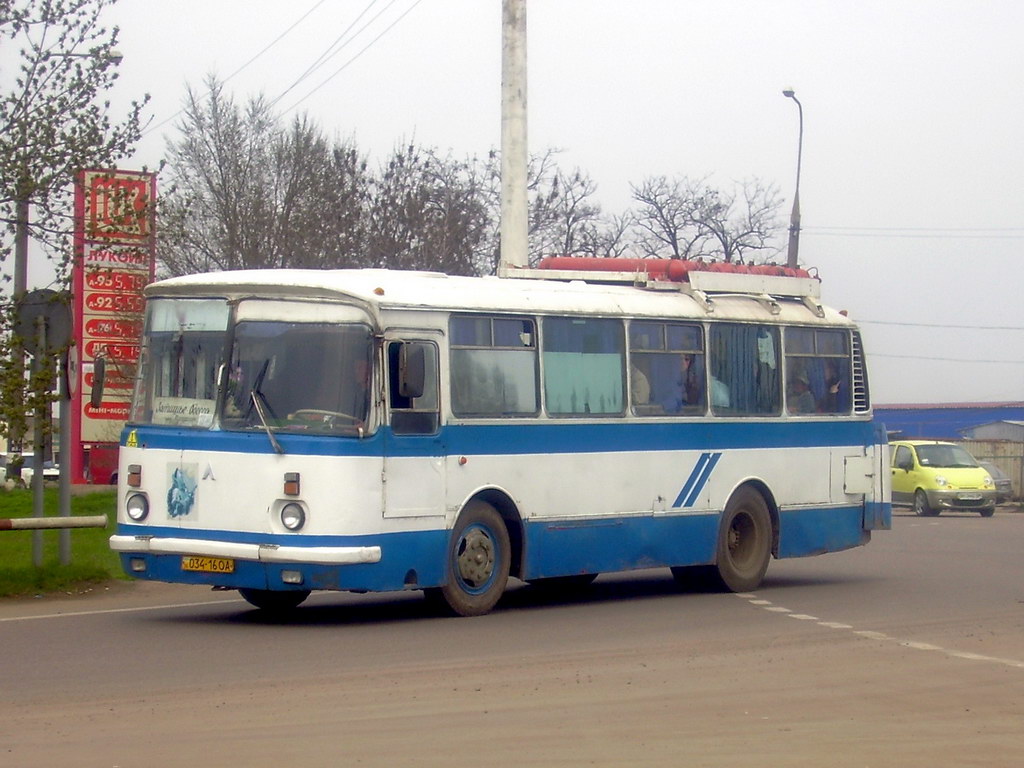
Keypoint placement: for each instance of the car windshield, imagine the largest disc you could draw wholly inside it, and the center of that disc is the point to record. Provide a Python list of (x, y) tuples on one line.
[(299, 377), (948, 456)]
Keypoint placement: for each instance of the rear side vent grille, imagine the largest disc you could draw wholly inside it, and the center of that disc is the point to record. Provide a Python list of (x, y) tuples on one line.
[(861, 395)]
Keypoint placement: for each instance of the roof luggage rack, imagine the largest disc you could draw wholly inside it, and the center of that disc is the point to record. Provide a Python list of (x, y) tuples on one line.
[(699, 279)]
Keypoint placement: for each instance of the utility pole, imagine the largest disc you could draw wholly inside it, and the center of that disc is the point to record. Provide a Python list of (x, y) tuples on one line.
[(514, 152)]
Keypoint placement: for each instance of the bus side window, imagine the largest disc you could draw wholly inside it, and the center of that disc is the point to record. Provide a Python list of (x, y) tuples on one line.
[(666, 362), (413, 415), (818, 370), (745, 378), (584, 366)]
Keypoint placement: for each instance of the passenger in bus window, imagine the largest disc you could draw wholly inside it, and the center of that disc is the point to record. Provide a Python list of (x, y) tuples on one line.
[(799, 398), (833, 400), (687, 389), (640, 386), (719, 393)]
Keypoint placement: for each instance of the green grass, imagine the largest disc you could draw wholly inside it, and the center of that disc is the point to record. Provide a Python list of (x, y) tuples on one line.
[(92, 561)]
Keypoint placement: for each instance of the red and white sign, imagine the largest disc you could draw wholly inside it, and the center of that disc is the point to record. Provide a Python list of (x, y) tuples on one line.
[(114, 248), (118, 205)]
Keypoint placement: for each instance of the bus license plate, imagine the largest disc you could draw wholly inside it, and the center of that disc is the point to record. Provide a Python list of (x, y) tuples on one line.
[(208, 564)]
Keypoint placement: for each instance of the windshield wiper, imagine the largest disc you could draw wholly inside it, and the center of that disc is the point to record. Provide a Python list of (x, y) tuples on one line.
[(257, 401)]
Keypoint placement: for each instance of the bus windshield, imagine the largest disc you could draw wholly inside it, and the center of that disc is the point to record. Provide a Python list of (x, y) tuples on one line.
[(299, 377), (305, 375), (184, 347)]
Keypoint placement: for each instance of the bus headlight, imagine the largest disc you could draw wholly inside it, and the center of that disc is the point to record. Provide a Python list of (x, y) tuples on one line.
[(293, 516), (137, 506), (940, 481)]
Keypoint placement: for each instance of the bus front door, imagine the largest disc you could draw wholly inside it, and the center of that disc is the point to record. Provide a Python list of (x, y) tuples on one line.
[(414, 451)]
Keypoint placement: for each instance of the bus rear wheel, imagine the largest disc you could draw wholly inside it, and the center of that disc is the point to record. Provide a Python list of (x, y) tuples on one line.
[(274, 601), (744, 542), (477, 563)]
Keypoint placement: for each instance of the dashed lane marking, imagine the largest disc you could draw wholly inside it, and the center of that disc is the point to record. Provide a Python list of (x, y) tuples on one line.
[(868, 634)]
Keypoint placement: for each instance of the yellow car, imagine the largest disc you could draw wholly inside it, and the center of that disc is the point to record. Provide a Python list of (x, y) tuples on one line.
[(931, 476)]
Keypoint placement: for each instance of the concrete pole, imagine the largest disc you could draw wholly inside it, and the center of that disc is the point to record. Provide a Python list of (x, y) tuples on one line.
[(514, 152)]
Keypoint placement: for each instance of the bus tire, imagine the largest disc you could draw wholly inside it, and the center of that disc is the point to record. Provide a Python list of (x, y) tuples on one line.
[(987, 511), (477, 562), (275, 601), (744, 541)]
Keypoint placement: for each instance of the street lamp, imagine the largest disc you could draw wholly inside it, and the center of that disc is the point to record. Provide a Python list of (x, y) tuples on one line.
[(794, 218)]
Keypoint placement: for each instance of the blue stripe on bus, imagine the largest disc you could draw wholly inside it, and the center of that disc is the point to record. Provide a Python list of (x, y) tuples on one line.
[(525, 438), (697, 480), (555, 548), (709, 467)]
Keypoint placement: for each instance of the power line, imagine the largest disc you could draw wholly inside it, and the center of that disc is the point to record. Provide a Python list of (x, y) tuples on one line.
[(926, 233), (266, 48), (344, 66), (334, 48), (946, 359), (943, 325)]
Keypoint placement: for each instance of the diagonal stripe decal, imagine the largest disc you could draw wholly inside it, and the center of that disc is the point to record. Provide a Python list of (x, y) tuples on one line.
[(698, 478)]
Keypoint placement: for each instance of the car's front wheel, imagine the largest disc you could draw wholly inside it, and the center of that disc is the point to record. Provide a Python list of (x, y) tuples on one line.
[(921, 506)]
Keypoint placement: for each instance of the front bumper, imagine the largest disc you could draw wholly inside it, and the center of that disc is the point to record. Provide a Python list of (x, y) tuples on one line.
[(263, 553), (962, 499)]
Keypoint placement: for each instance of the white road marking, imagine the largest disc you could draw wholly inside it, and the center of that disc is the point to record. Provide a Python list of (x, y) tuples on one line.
[(767, 605), (117, 610)]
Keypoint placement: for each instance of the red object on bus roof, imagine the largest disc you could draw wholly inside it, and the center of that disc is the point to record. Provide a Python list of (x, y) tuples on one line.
[(676, 270)]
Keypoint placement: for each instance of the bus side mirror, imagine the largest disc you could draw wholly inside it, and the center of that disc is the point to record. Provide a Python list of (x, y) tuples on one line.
[(412, 370), (906, 464), (99, 376)]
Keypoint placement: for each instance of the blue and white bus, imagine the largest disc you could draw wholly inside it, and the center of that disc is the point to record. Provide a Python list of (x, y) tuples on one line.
[(373, 430)]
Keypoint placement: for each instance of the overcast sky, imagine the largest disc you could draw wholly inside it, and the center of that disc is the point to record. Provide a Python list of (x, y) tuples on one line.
[(912, 191)]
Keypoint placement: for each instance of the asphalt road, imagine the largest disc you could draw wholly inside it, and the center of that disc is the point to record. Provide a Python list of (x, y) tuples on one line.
[(908, 652)]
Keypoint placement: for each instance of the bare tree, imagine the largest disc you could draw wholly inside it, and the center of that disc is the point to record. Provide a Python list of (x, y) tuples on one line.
[(321, 198), (247, 193), (740, 227), (427, 212), (670, 218), (565, 215), (610, 237), (689, 219)]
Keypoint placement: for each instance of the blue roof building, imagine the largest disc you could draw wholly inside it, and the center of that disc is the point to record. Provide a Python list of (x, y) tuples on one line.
[(943, 421)]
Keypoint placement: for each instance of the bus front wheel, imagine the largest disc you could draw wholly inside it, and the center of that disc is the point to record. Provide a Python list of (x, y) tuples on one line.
[(274, 601), (477, 562), (744, 541)]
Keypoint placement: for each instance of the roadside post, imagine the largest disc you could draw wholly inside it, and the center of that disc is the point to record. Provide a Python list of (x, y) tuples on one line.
[(43, 324)]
